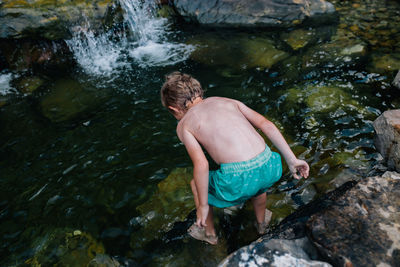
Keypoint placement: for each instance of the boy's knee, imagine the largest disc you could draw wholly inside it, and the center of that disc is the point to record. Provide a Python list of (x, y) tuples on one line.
[(192, 183)]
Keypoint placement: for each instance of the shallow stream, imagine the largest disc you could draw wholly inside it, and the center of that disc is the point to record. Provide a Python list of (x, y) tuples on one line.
[(90, 162)]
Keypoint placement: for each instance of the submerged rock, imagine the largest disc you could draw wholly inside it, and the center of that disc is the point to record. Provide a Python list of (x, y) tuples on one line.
[(382, 63), (64, 247), (239, 51), (299, 38), (29, 84), (363, 228), (387, 138), (344, 48), (172, 202), (68, 99), (396, 81), (50, 19), (264, 13)]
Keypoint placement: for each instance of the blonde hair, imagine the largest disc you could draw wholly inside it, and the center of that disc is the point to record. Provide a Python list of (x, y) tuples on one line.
[(178, 89)]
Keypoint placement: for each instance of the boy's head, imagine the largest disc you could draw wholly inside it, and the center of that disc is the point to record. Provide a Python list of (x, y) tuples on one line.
[(178, 90)]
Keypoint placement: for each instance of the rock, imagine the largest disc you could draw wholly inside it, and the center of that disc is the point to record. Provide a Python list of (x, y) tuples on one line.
[(172, 202), (396, 81), (49, 19), (22, 54), (274, 252), (103, 260), (69, 99), (259, 13), (238, 52), (29, 84), (344, 48), (363, 227), (382, 63), (387, 138), (64, 247), (299, 38)]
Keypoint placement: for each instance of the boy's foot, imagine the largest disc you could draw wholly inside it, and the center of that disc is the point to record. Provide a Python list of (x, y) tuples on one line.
[(262, 227), (200, 234)]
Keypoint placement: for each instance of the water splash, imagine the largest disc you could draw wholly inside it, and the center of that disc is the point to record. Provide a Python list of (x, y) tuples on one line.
[(5, 87), (145, 42)]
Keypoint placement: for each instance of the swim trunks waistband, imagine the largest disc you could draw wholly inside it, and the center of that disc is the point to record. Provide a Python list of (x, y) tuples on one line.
[(250, 164)]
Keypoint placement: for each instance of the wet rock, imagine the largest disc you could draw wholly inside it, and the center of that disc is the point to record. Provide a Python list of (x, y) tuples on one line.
[(343, 49), (103, 260), (29, 84), (22, 54), (68, 99), (49, 19), (64, 247), (364, 221), (382, 63), (299, 38), (387, 138), (172, 202), (264, 13), (239, 51), (396, 81), (275, 252), (319, 98)]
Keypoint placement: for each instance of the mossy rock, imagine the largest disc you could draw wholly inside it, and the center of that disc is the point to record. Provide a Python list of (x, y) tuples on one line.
[(281, 206), (343, 49), (320, 98), (68, 99), (50, 19), (65, 247), (239, 51), (383, 63), (299, 38), (172, 202), (29, 84)]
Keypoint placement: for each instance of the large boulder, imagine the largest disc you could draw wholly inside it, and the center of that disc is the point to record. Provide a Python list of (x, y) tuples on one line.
[(50, 19), (363, 227), (264, 13), (387, 138), (274, 252)]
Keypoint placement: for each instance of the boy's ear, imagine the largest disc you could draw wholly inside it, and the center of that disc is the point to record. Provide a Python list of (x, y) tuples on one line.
[(173, 109)]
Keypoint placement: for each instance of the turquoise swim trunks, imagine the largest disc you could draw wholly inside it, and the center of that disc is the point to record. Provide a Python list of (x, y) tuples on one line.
[(234, 183)]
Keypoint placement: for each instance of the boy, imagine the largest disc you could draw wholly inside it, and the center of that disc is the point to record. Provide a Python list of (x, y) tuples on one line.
[(225, 128)]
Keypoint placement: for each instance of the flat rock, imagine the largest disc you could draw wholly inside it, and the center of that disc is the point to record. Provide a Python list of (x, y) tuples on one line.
[(264, 13), (362, 228), (387, 138)]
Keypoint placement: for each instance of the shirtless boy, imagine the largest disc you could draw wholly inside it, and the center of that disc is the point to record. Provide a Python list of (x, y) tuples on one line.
[(225, 128)]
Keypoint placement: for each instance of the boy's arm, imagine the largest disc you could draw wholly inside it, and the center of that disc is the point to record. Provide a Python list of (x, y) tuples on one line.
[(271, 131), (200, 172)]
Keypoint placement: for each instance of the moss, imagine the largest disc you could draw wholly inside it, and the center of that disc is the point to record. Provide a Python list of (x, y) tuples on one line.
[(28, 85)]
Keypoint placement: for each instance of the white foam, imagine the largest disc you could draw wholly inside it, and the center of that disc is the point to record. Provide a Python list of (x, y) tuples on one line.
[(5, 87)]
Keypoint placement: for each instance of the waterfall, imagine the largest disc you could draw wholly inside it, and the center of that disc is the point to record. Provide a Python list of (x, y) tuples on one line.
[(145, 43)]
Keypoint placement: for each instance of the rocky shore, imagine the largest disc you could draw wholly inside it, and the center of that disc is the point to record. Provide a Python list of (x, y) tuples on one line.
[(357, 224)]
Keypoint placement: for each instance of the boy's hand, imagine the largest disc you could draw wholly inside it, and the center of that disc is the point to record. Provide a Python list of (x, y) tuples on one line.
[(202, 213), (299, 168)]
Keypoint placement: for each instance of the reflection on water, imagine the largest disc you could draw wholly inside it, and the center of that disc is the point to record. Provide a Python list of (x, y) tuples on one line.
[(81, 161)]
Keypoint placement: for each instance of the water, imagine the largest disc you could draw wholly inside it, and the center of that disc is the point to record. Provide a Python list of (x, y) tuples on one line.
[(90, 162), (147, 42)]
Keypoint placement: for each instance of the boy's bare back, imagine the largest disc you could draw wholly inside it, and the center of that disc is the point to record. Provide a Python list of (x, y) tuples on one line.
[(221, 127)]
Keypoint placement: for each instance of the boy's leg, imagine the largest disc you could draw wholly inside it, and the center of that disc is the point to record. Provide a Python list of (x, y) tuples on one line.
[(259, 202)]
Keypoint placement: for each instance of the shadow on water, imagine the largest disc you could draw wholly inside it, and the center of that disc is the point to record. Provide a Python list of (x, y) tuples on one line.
[(82, 155)]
